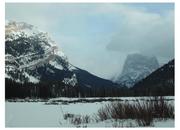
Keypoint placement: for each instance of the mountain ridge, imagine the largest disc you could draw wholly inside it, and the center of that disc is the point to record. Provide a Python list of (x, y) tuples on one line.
[(159, 82)]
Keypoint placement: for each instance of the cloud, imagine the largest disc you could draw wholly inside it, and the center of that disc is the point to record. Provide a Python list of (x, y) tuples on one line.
[(146, 32)]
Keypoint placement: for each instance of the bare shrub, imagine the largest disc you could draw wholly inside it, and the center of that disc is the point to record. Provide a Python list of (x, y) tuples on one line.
[(68, 115), (86, 119), (122, 111), (77, 119), (104, 113), (161, 108), (143, 112)]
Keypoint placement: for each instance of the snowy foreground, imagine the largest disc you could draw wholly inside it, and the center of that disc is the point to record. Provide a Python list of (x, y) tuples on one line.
[(50, 113)]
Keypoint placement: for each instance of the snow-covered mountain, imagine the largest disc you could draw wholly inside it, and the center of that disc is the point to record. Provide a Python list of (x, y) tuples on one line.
[(27, 50), (32, 56), (136, 67)]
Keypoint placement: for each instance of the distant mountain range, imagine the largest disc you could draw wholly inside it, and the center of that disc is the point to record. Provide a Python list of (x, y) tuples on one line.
[(136, 67)]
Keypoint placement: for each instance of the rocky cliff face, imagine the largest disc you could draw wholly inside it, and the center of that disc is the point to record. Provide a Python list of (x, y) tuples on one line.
[(31, 54), (136, 67)]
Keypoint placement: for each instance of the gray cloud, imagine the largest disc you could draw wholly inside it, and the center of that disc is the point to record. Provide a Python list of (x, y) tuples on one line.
[(145, 32)]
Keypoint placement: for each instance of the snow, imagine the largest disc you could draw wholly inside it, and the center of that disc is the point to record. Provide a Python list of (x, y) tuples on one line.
[(35, 63), (40, 115), (14, 30), (164, 123), (70, 81), (19, 28), (56, 65), (32, 79), (37, 114), (31, 115), (7, 76), (60, 53), (122, 98)]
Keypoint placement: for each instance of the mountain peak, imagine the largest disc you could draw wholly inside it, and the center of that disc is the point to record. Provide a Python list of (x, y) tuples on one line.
[(136, 67), (27, 48), (15, 30)]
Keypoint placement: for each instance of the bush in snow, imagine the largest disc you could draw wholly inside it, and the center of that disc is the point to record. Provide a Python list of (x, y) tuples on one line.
[(142, 111), (77, 119)]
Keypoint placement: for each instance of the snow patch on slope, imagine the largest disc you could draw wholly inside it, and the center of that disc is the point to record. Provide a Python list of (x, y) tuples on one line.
[(56, 65), (32, 79), (71, 81)]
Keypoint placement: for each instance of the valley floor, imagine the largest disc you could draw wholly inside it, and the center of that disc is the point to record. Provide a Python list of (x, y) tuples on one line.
[(50, 114)]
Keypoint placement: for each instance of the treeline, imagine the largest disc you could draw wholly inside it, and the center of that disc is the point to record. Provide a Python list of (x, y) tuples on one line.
[(59, 89), (153, 90), (39, 90)]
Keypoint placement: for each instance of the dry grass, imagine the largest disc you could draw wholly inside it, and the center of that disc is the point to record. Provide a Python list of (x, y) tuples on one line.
[(77, 119), (143, 112)]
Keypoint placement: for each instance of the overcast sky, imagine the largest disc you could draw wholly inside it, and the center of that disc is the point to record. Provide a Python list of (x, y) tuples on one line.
[(98, 37)]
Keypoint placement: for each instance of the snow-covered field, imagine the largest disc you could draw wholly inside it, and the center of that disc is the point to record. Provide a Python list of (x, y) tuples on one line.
[(39, 114)]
